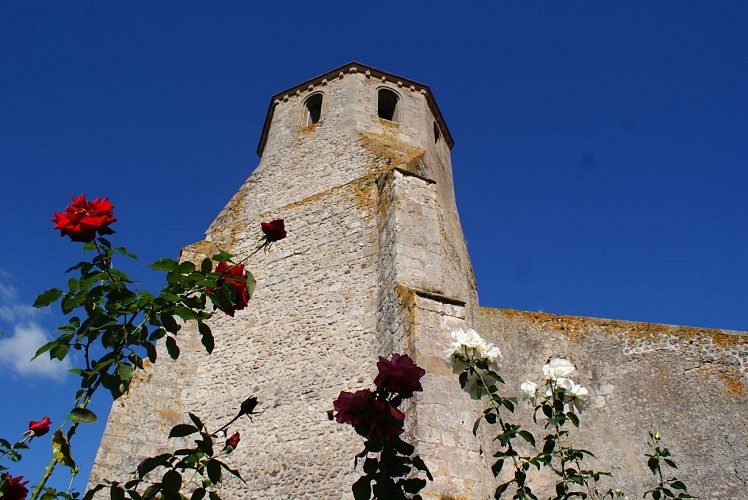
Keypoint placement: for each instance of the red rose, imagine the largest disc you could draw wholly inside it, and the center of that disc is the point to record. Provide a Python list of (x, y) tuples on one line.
[(371, 417), (233, 440), (40, 428), (237, 278), (16, 490), (353, 407), (274, 230), (83, 219), (401, 375), (387, 420)]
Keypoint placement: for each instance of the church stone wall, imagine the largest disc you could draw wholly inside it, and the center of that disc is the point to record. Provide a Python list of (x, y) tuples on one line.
[(687, 383), (375, 262)]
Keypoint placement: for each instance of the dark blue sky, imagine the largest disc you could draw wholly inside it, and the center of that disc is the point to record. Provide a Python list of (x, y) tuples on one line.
[(600, 159)]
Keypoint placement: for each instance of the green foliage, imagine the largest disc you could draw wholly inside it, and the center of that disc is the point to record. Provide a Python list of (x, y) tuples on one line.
[(389, 467), (198, 469), (556, 409), (666, 488)]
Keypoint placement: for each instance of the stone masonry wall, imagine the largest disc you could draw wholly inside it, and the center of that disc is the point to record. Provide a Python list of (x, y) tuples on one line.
[(688, 383)]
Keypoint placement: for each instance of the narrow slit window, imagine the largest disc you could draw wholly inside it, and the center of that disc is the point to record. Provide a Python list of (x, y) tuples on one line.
[(387, 105), (312, 109), (437, 133)]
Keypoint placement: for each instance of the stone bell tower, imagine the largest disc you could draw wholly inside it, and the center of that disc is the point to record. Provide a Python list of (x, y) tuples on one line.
[(357, 162)]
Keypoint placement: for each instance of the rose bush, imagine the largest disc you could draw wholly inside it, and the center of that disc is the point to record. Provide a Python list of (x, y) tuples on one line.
[(556, 403), (388, 460), (113, 328)]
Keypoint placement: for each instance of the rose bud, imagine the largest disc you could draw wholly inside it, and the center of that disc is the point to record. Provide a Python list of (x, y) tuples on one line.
[(274, 230), (40, 428), (233, 441)]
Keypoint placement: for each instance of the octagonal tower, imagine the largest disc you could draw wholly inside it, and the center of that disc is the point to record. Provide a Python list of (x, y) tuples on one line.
[(357, 163)]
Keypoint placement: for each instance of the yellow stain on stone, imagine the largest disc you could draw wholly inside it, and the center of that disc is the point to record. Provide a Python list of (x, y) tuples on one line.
[(198, 251), (308, 129), (574, 326), (393, 151)]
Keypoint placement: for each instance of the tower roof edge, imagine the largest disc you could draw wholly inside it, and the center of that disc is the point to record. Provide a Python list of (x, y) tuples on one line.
[(355, 67)]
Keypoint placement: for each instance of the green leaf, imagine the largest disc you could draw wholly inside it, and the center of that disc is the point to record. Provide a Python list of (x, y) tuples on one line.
[(251, 283), (151, 350), (83, 415), (186, 267), (233, 472), (214, 471), (46, 347), (125, 370), (170, 323), (497, 466), (362, 488), (181, 430), (124, 252), (206, 337), (527, 436), (185, 313), (206, 265), (151, 491), (172, 482), (222, 256), (476, 424), (172, 348), (414, 485), (196, 420), (419, 464), (164, 265), (198, 494), (116, 492), (90, 493), (46, 298), (61, 451), (149, 464)]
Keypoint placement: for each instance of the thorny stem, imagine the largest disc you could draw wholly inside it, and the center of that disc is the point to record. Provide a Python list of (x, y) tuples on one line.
[(497, 408), (51, 467), (264, 244)]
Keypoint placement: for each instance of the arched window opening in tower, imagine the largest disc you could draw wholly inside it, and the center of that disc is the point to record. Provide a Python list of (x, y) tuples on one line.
[(437, 133), (312, 109), (387, 107)]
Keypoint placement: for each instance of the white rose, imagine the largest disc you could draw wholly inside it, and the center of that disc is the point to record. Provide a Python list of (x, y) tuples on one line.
[(492, 354), (579, 392), (454, 361), (530, 389), (580, 397), (557, 368), (467, 338), (564, 383)]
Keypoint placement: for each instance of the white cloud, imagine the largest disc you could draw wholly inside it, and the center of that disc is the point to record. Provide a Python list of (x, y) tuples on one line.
[(7, 292), (17, 312), (16, 353)]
